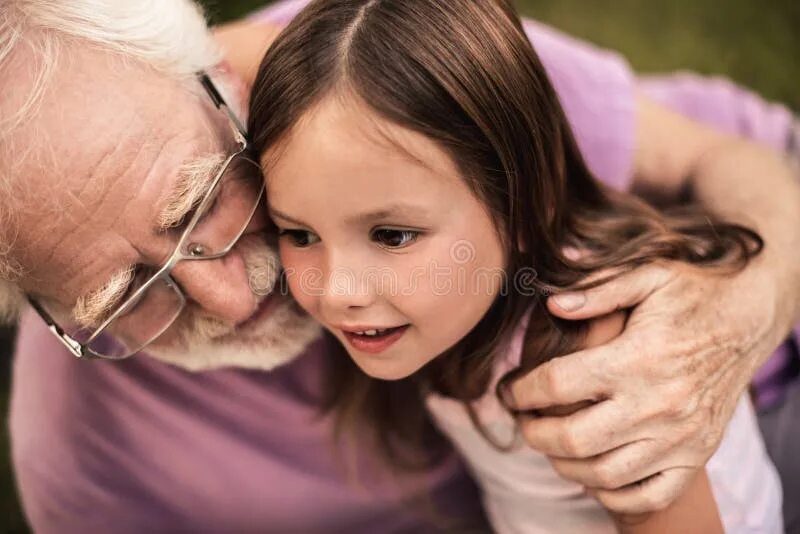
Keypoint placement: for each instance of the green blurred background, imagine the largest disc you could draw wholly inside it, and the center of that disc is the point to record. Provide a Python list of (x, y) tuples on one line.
[(754, 42)]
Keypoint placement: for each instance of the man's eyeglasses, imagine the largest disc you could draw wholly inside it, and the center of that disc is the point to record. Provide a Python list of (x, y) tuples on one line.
[(155, 300)]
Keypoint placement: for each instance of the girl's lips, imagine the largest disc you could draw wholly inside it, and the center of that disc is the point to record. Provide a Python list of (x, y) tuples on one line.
[(374, 344)]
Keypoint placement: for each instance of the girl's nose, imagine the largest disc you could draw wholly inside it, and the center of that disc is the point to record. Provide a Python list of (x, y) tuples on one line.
[(347, 287)]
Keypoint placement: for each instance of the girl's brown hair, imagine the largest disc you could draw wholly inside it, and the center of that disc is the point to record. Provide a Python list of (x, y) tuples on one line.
[(463, 73)]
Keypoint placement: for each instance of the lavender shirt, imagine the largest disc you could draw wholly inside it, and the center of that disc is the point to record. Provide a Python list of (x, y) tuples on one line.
[(140, 446)]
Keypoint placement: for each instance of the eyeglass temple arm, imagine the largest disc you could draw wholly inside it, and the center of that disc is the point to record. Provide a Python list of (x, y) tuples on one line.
[(73, 346), (219, 102)]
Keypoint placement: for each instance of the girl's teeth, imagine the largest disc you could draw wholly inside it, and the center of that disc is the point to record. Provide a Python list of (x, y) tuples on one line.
[(372, 333)]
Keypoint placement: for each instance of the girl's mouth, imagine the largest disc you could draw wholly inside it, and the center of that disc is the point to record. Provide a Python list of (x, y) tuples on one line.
[(374, 341)]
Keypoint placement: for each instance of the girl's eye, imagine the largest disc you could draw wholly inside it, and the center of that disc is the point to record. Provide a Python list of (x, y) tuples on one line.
[(394, 238), (299, 238)]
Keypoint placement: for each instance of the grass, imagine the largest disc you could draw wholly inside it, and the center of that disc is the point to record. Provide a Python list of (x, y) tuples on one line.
[(753, 44)]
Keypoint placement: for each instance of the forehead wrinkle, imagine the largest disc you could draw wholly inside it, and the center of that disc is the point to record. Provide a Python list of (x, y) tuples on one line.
[(128, 169), (76, 191), (85, 214), (98, 178)]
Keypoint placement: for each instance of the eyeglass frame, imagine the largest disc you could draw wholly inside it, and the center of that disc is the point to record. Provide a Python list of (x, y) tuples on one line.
[(81, 350)]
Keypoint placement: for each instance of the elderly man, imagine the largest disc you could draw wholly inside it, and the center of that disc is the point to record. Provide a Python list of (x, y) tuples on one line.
[(131, 208)]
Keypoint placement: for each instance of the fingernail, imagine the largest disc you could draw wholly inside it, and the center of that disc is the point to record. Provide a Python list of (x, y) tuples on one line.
[(570, 301), (571, 253)]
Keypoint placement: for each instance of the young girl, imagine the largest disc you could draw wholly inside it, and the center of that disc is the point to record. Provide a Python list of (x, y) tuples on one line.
[(429, 194)]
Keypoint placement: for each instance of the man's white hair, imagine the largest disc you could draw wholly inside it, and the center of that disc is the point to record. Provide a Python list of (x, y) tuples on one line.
[(169, 35)]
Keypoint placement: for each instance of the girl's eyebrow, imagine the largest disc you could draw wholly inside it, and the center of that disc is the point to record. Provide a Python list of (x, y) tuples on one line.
[(389, 212), (382, 214), (274, 213)]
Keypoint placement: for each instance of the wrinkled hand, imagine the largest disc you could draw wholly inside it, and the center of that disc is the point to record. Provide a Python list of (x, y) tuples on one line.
[(664, 390)]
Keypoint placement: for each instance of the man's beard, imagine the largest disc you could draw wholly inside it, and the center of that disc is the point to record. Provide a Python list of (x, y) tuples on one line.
[(276, 338)]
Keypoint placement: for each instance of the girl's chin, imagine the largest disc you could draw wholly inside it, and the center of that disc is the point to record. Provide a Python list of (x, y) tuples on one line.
[(385, 369)]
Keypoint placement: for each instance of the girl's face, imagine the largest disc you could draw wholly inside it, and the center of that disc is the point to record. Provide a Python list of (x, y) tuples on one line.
[(381, 239)]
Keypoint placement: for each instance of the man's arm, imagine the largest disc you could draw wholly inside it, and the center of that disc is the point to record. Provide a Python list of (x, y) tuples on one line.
[(244, 44), (670, 383)]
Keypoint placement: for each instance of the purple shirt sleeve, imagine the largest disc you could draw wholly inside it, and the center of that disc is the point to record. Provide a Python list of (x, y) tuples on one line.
[(724, 105), (596, 89)]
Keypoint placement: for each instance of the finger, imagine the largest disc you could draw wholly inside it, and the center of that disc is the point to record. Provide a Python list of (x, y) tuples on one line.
[(604, 329), (574, 253), (588, 432), (622, 466), (561, 381), (620, 293), (651, 495)]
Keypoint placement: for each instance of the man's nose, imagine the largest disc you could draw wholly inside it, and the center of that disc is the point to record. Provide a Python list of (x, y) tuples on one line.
[(220, 287)]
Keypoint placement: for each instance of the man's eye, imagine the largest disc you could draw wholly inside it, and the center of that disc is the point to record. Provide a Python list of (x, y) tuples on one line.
[(390, 238), (299, 238)]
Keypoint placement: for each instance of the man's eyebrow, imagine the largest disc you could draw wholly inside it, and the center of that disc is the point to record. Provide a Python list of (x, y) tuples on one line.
[(94, 307), (194, 179)]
